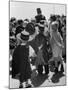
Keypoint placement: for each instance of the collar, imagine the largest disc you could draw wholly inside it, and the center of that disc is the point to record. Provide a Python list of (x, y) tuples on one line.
[(23, 43)]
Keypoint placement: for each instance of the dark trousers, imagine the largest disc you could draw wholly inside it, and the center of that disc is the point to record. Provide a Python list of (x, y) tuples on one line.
[(40, 69), (46, 69)]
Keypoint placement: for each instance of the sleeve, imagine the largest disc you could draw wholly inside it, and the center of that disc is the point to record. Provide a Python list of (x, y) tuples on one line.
[(61, 39), (43, 17), (36, 18), (33, 45)]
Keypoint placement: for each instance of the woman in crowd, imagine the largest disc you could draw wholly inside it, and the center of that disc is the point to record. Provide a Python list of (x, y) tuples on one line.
[(57, 46)]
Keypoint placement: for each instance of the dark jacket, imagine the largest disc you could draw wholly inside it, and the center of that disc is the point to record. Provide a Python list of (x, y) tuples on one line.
[(39, 17)]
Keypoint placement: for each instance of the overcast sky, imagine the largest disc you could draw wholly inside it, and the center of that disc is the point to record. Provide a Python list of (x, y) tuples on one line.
[(22, 10)]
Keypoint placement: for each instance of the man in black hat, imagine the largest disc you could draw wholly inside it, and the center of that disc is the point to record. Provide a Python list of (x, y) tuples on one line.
[(40, 19), (39, 16)]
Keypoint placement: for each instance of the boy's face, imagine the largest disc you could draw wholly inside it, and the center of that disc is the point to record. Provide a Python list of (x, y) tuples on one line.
[(54, 27), (24, 24)]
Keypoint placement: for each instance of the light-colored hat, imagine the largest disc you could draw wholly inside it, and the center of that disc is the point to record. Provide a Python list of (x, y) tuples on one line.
[(24, 35), (54, 23)]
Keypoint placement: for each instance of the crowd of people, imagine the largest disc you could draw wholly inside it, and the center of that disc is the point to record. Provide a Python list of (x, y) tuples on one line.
[(47, 38)]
